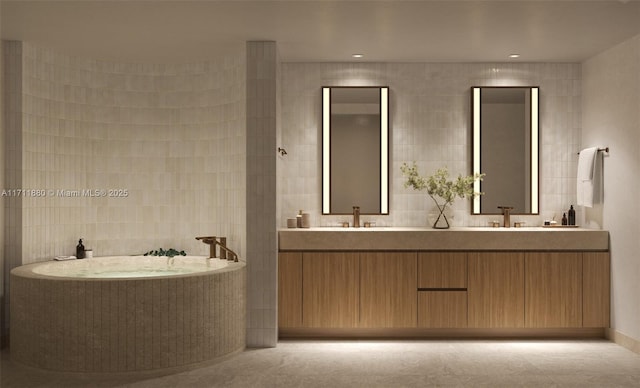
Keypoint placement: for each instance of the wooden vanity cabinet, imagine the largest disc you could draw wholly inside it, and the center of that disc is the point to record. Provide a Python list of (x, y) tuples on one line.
[(388, 289), (496, 290), (420, 290)]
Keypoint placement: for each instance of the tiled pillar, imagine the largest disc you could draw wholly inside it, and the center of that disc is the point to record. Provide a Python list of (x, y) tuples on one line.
[(261, 100), (12, 158)]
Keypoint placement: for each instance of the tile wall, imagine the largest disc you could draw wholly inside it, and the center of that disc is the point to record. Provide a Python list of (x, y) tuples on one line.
[(429, 121), (172, 136)]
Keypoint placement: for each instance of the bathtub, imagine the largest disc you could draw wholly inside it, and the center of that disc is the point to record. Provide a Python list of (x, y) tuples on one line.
[(126, 313)]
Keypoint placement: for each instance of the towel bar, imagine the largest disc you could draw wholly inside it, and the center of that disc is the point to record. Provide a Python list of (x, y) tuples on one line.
[(606, 149)]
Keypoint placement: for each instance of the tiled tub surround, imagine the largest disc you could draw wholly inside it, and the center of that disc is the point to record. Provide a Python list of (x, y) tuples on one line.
[(126, 325)]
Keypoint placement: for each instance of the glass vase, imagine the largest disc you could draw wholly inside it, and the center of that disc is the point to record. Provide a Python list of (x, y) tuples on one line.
[(441, 221)]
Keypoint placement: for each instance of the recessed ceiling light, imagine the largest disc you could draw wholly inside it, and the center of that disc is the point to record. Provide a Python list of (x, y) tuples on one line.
[(514, 56), (357, 55)]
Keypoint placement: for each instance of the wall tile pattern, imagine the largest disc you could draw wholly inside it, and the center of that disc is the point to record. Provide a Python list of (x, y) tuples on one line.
[(430, 124), (121, 325), (261, 78), (171, 135)]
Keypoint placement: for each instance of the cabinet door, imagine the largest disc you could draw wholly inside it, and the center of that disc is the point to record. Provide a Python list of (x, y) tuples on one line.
[(330, 289), (388, 296), (442, 270), (596, 289), (290, 289), (553, 288), (496, 290)]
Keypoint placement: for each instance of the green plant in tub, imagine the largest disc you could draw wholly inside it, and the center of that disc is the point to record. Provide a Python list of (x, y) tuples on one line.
[(168, 253)]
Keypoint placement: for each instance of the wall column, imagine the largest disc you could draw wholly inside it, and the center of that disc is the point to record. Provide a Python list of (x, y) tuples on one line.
[(261, 256)]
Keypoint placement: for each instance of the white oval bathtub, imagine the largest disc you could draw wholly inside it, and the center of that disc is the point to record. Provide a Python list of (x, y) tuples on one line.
[(130, 266), (126, 313)]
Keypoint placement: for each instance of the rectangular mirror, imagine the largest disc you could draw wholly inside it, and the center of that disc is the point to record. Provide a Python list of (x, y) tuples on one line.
[(504, 123), (355, 150)]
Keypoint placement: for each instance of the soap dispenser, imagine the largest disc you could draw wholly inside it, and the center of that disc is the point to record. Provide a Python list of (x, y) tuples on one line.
[(572, 216), (80, 250)]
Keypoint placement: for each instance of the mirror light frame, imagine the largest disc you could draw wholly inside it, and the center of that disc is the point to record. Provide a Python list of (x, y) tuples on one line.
[(384, 149), (535, 130)]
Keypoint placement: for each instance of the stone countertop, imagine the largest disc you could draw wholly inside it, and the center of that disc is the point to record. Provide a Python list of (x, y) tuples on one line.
[(456, 239)]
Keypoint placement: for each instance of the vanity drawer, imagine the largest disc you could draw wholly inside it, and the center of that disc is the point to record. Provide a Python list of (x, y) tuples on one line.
[(442, 309), (442, 270)]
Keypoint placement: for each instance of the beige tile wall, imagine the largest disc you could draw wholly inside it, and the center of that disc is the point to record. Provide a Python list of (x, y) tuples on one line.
[(429, 120), (170, 135)]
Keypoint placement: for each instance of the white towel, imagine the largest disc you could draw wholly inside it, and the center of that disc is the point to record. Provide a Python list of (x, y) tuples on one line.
[(585, 182)]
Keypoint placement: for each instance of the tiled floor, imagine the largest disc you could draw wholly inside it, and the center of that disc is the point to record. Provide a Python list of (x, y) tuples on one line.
[(593, 363)]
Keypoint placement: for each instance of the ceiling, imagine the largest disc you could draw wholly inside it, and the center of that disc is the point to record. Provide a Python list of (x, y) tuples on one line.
[(163, 31)]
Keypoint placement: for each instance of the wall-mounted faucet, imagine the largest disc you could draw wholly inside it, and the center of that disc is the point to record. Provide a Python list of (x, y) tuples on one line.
[(506, 213), (356, 216)]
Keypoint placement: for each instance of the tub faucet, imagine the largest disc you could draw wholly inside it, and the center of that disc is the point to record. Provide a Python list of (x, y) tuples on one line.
[(506, 213), (225, 253), (356, 216)]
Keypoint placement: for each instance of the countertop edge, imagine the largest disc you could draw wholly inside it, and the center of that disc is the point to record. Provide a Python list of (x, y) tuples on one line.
[(468, 239)]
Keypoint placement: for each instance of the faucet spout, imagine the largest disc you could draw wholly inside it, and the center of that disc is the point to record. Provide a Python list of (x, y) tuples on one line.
[(213, 241), (506, 213), (356, 216)]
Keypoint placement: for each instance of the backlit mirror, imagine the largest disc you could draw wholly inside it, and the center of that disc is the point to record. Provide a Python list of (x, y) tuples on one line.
[(505, 147), (355, 150)]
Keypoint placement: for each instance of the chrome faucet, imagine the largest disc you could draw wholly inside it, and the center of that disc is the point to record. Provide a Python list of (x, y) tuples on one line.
[(506, 213), (356, 216), (225, 253)]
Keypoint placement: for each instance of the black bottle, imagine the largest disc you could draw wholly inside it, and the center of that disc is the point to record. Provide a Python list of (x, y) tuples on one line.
[(80, 250), (564, 219), (572, 216)]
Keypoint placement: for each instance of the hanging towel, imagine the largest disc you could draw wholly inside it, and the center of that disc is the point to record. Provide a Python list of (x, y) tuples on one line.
[(585, 182)]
